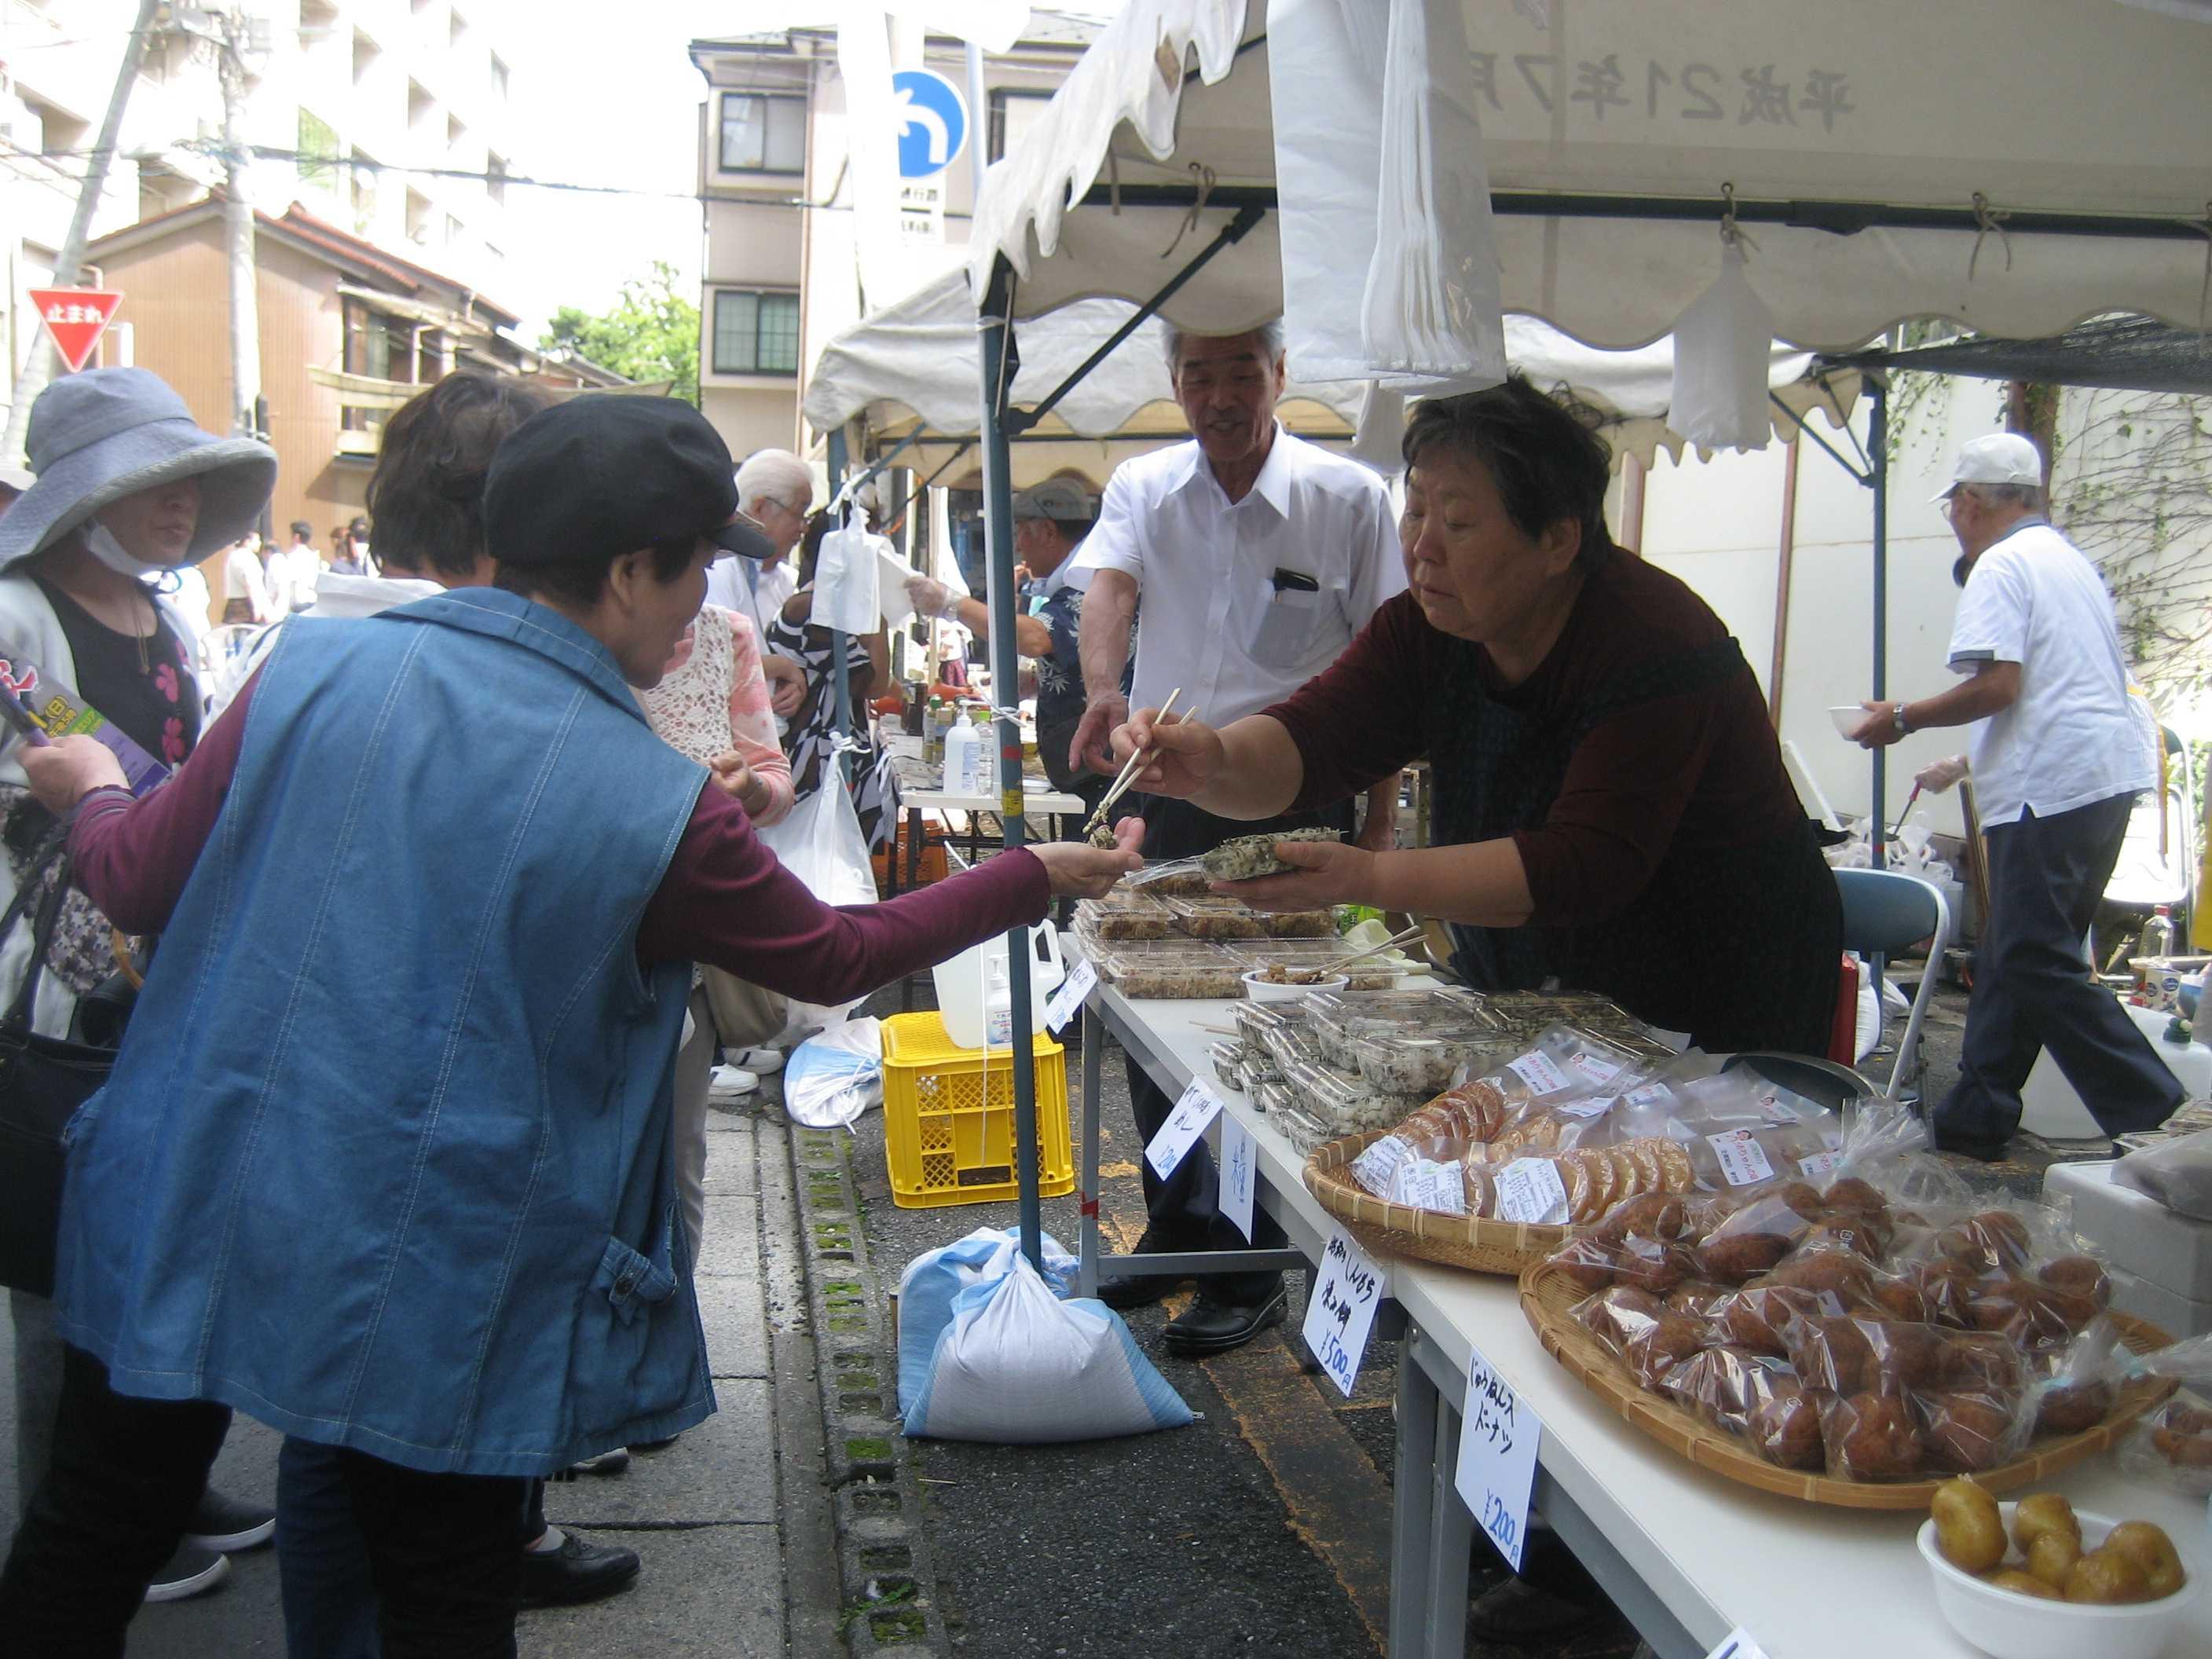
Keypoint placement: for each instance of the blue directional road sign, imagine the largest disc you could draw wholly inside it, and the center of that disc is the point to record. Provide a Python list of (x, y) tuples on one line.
[(931, 120)]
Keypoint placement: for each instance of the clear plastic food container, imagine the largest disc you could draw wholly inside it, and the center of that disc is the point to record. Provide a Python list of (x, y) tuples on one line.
[(1210, 918), (1346, 1104), (1228, 1063), (1168, 970), (1256, 1019)]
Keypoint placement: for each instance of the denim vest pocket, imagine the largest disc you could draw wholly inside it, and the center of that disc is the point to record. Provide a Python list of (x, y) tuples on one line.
[(630, 1280)]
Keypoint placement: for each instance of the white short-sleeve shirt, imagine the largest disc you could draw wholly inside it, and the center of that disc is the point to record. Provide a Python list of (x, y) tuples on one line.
[(2071, 739), (1241, 602), (751, 588)]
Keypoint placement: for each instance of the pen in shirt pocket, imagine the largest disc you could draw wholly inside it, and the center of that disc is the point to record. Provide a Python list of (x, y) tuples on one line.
[(1294, 581)]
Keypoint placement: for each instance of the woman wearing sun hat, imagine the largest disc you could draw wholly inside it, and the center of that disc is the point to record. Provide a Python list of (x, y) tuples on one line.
[(126, 488)]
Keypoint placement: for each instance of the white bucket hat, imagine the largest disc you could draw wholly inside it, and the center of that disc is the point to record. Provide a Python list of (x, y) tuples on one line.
[(98, 436)]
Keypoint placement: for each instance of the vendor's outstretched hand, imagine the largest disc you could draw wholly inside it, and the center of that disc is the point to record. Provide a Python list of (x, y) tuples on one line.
[(1187, 754), (1092, 745), (63, 772), (1079, 870), (1326, 872)]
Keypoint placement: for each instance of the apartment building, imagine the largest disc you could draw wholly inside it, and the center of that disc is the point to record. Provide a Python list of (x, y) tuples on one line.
[(381, 140), (779, 271)]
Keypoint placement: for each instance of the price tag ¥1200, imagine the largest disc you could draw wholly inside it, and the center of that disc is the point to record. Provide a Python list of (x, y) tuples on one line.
[(1197, 1108), (1341, 1313), (1497, 1439), (1068, 998)]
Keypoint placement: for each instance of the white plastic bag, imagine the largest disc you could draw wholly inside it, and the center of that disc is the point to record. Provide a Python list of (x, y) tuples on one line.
[(845, 580), (830, 1079), (2178, 1173), (1017, 1366), (821, 844), (934, 1277), (1723, 346)]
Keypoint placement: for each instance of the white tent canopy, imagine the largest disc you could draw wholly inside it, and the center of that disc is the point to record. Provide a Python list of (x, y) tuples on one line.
[(1887, 114), (917, 359)]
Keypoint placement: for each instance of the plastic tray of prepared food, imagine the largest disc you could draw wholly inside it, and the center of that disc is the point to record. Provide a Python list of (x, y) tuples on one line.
[(1210, 918), (1340, 1019), (1422, 1060), (1296, 956), (1228, 1058), (1288, 1045), (1257, 1069), (1125, 916), (1347, 1102), (1170, 970), (1256, 1019), (1298, 924)]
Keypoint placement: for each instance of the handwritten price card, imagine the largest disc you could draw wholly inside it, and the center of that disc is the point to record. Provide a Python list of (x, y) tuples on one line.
[(1192, 1113), (1342, 1314), (1237, 1174), (1497, 1441), (1069, 997)]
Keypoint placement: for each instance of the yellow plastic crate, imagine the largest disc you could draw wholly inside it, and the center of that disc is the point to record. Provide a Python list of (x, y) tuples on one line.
[(946, 1140)]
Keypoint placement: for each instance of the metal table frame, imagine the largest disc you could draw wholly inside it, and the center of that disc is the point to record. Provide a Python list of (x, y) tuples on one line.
[(1431, 1530)]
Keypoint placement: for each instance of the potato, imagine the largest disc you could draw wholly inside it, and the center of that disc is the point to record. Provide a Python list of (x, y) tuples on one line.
[(2052, 1556), (2041, 1512), (2153, 1552), (1968, 1529), (2107, 1576), (2021, 1583)]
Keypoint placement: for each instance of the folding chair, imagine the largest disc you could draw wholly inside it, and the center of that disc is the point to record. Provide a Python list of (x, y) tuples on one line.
[(1886, 912)]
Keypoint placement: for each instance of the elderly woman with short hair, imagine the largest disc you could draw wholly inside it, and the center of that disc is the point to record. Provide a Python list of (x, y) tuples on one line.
[(1612, 810)]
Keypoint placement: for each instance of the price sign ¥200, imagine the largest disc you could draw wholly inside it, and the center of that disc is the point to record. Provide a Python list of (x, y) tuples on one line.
[(1497, 1439)]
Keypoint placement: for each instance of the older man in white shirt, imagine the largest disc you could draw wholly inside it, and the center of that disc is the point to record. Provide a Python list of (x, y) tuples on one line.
[(1258, 557)]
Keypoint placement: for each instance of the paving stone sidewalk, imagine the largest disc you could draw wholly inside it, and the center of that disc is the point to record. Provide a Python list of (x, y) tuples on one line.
[(733, 1520)]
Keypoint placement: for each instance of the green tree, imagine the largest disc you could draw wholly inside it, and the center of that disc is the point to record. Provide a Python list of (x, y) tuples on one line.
[(651, 334)]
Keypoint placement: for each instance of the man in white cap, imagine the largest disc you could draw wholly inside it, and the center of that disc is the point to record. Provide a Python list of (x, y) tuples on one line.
[(2058, 758)]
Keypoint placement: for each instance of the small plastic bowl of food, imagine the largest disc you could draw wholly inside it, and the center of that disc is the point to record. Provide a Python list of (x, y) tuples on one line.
[(1851, 720), (1282, 984), (2008, 1624)]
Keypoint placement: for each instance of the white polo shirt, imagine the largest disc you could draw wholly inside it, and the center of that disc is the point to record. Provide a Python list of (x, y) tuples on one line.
[(751, 589), (2071, 739), (1241, 602)]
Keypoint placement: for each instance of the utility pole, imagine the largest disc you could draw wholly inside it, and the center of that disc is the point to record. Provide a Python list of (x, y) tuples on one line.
[(238, 228), (37, 365)]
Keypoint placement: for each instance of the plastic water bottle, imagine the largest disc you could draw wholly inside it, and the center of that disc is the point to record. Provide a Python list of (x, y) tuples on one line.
[(961, 750), (2158, 933), (986, 753)]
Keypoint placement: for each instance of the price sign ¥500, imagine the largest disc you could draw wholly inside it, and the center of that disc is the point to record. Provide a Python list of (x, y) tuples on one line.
[(1341, 1313)]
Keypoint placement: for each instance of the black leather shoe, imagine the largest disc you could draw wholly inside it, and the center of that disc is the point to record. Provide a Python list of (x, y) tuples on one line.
[(575, 1573), (1122, 1292), (1982, 1152), (1207, 1326)]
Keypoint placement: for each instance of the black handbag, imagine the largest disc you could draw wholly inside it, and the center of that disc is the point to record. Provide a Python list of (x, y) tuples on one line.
[(43, 1080)]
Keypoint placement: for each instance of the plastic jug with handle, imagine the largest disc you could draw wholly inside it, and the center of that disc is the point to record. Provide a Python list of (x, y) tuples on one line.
[(966, 987)]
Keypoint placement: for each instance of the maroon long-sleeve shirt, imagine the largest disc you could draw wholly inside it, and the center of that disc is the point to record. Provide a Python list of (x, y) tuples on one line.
[(724, 900), (1701, 771)]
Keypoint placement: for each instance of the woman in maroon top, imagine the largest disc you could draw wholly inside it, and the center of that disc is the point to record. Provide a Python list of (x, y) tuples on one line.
[(1611, 806)]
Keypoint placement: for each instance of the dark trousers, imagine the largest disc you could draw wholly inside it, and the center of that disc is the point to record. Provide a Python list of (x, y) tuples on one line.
[(2033, 989), (323, 1564), (1183, 1212), (126, 1475)]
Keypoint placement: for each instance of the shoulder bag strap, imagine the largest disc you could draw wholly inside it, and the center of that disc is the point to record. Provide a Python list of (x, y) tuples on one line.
[(53, 852)]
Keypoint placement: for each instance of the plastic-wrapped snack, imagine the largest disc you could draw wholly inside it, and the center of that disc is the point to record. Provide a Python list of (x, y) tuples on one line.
[(1725, 1385), (1786, 1427), (1588, 1262), (1858, 1355), (1619, 1315), (1467, 1112), (1181, 969), (1287, 1045), (1169, 878), (1870, 1436), (1648, 1215), (1653, 1264), (1256, 1069), (1275, 1099), (1213, 918), (1756, 1239), (1349, 1103), (1425, 1060), (1247, 856), (1699, 1297), (1430, 1184), (1228, 1058), (1122, 915), (1290, 1114), (2172, 1446), (1973, 1360), (1256, 1019), (1755, 1316), (1970, 1429), (1653, 1354), (2077, 1387)]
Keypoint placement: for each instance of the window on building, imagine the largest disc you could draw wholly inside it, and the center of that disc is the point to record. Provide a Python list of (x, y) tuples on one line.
[(453, 231), (365, 54), (756, 333), (1013, 114), (496, 178), (418, 216), (364, 170), (318, 152), (762, 134), (421, 105), (498, 78), (454, 132), (456, 26)]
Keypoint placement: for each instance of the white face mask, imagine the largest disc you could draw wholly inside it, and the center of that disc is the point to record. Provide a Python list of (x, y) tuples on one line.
[(117, 557)]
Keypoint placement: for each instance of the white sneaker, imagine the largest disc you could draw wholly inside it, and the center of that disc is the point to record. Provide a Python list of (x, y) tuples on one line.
[(731, 1082), (190, 1571), (764, 1061)]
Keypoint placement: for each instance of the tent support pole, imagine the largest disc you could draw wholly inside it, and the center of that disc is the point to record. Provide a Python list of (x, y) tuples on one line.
[(995, 327), (1232, 233), (1878, 464), (840, 672), (883, 460), (1837, 455)]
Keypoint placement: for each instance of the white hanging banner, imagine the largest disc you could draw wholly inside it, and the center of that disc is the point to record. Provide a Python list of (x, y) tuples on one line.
[(1390, 268)]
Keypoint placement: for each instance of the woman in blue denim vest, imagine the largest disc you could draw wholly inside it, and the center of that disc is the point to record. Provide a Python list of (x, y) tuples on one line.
[(384, 1161)]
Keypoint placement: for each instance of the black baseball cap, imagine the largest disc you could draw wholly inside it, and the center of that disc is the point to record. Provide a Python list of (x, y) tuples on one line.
[(602, 475), (744, 538)]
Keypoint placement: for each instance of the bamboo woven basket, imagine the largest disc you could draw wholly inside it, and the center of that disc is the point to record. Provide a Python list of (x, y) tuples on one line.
[(1546, 1294), (1510, 1248)]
